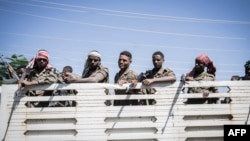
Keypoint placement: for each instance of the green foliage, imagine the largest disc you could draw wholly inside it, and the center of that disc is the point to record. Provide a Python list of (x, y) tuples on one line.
[(15, 61)]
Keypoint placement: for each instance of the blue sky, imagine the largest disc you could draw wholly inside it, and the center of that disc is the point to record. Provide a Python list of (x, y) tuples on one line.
[(181, 29)]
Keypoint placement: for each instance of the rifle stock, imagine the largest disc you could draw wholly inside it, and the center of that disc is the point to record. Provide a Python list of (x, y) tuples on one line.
[(142, 76)]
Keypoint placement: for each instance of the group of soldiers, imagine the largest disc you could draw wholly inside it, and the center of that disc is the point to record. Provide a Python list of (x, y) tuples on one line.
[(39, 71)]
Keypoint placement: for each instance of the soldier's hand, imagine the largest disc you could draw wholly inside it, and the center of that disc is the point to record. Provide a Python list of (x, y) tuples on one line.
[(24, 83), (134, 82), (69, 77), (147, 82)]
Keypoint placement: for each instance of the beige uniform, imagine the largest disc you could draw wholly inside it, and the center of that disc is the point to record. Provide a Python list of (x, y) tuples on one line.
[(152, 74), (202, 77), (127, 76), (100, 69), (47, 76)]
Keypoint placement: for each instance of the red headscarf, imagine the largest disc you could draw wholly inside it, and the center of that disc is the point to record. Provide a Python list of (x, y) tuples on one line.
[(203, 58), (41, 54)]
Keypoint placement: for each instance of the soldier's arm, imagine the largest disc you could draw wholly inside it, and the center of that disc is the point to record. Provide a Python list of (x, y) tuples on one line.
[(28, 83), (71, 78)]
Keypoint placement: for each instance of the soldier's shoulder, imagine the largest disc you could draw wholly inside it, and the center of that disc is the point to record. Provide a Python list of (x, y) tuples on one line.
[(168, 70), (103, 68), (132, 72), (52, 69)]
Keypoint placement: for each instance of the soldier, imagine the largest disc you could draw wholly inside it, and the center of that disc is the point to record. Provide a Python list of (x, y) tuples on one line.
[(247, 71), (237, 78), (39, 71), (125, 75), (157, 75), (93, 71), (67, 69), (199, 74), (66, 92), (20, 70)]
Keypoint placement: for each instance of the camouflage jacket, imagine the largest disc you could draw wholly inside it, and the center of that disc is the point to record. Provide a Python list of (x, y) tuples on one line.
[(47, 76), (161, 73), (102, 70), (202, 77), (152, 74), (128, 76)]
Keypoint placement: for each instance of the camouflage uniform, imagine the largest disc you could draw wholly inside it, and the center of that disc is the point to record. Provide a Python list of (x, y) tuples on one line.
[(202, 77), (152, 74), (128, 76), (47, 76), (68, 103), (100, 69)]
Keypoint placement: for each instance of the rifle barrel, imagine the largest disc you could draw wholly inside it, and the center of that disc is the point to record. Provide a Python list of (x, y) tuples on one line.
[(10, 68)]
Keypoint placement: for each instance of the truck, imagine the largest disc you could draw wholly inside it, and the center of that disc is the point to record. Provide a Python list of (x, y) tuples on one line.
[(92, 119)]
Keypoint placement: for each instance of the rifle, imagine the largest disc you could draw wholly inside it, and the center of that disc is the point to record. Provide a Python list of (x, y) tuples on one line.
[(16, 97), (143, 76), (12, 72)]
